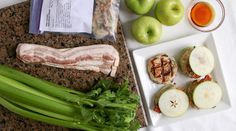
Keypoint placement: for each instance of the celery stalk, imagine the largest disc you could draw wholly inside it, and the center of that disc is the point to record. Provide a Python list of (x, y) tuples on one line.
[(42, 118), (26, 88), (43, 112), (44, 86), (8, 91)]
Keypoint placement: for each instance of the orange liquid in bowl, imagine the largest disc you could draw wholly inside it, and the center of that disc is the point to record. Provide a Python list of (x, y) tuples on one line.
[(202, 14)]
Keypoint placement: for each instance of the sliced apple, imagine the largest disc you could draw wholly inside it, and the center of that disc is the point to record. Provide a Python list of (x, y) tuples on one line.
[(201, 61), (207, 95), (173, 103), (161, 91)]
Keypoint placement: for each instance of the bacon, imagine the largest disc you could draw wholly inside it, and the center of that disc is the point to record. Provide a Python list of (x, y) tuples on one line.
[(98, 58)]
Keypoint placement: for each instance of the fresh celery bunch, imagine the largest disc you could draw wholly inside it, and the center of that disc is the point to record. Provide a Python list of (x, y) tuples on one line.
[(108, 106)]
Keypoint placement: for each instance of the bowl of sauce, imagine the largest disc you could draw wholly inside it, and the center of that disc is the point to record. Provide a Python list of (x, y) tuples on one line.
[(206, 15)]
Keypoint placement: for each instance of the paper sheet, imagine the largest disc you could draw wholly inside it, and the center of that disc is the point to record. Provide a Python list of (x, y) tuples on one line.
[(67, 16)]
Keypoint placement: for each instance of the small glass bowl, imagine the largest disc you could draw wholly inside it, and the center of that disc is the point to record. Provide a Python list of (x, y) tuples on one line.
[(219, 11)]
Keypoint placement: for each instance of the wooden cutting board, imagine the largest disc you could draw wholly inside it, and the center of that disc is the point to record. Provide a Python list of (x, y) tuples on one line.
[(14, 28)]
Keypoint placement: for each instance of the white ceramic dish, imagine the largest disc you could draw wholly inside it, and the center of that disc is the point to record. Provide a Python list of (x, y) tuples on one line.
[(173, 48)]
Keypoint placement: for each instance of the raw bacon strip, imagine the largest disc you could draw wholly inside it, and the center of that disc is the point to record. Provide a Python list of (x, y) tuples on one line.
[(98, 58)]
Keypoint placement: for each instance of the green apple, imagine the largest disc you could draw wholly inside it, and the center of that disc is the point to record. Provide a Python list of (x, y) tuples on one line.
[(146, 29), (169, 12), (140, 7)]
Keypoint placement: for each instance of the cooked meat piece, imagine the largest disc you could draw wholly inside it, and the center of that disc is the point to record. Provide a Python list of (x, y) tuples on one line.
[(162, 69), (98, 58)]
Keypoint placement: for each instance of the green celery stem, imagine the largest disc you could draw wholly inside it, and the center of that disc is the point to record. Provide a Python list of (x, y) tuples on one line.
[(42, 118), (17, 95)]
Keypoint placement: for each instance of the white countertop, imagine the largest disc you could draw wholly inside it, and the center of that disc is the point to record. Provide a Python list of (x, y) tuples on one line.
[(226, 44), (182, 29), (225, 38)]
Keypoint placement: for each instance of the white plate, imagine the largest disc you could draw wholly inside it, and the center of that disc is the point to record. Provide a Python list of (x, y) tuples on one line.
[(172, 48)]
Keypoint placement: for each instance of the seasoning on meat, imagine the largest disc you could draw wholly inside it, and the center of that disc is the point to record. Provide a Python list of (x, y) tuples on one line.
[(162, 69), (98, 58)]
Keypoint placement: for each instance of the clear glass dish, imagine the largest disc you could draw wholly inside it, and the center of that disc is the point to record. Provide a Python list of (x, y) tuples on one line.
[(219, 12)]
